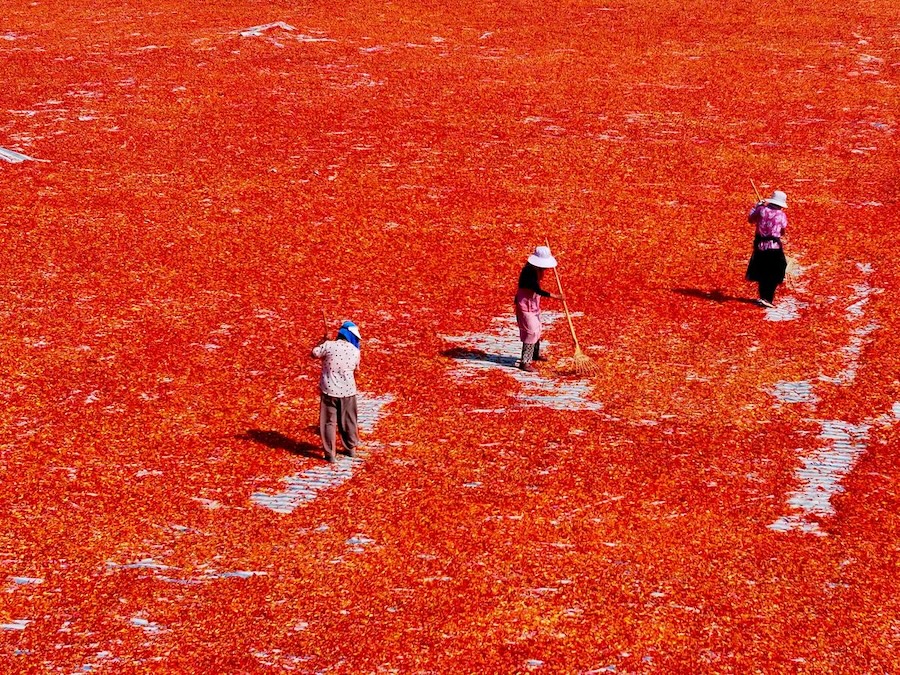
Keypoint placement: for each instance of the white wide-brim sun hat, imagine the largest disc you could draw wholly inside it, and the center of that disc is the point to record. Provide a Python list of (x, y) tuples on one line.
[(778, 198), (542, 258)]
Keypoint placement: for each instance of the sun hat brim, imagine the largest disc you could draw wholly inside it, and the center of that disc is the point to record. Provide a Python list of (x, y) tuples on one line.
[(778, 202), (544, 263)]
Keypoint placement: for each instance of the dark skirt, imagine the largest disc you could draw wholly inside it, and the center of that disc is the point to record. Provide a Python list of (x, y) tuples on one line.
[(767, 267)]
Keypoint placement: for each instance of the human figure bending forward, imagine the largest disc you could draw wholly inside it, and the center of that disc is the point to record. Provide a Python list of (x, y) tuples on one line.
[(768, 264), (528, 305), (337, 407)]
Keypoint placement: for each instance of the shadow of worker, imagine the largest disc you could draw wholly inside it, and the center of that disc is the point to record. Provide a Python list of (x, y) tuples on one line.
[(278, 441), (715, 295), (479, 356)]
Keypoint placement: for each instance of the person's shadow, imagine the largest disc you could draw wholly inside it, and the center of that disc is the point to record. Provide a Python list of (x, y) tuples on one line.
[(715, 295), (471, 354), (278, 441)]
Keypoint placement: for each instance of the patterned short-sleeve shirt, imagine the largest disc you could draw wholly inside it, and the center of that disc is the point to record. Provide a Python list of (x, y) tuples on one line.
[(339, 360), (770, 227)]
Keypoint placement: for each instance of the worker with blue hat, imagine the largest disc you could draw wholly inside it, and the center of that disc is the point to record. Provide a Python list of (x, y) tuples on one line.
[(337, 407)]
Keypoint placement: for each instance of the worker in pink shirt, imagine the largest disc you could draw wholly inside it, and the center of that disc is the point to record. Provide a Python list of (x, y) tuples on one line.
[(337, 407), (528, 305), (768, 264)]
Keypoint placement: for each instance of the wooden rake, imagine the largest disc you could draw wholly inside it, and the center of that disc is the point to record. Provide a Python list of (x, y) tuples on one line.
[(580, 363)]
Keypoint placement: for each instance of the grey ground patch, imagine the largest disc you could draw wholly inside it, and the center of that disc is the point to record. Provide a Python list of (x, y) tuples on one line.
[(859, 333), (499, 349), (306, 486), (843, 442), (821, 473), (795, 392), (787, 309)]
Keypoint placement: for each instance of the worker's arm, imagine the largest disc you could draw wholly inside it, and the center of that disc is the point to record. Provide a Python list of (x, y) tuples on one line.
[(319, 350)]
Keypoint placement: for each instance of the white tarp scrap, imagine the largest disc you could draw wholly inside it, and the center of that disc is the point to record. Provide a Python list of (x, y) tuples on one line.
[(257, 31), (13, 157)]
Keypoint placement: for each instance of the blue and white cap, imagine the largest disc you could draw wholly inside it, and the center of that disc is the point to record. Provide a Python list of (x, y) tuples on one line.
[(350, 333)]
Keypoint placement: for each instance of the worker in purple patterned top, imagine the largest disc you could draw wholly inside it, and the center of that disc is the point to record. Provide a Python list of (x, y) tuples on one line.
[(528, 305), (768, 264), (337, 407)]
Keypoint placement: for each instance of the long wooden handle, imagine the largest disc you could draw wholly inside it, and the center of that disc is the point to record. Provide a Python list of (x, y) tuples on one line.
[(565, 305), (758, 198)]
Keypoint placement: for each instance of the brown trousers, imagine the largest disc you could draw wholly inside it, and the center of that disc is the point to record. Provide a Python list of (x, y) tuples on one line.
[(338, 413)]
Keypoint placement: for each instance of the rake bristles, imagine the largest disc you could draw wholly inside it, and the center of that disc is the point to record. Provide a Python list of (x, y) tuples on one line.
[(579, 364), (790, 272)]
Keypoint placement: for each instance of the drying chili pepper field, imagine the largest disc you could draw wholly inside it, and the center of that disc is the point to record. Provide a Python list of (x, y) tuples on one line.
[(187, 186)]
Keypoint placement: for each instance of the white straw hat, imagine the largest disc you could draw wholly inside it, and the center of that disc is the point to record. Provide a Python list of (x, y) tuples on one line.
[(542, 258), (778, 198)]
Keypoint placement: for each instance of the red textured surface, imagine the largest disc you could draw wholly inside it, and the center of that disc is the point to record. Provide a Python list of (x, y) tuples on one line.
[(398, 174)]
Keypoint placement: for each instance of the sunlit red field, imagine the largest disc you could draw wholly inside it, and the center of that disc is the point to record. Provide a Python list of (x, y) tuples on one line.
[(723, 497)]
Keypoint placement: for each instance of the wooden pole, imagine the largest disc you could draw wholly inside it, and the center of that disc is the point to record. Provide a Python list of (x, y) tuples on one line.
[(758, 198), (565, 305)]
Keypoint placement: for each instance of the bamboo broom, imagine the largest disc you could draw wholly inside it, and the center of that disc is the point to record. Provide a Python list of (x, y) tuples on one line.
[(581, 364)]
